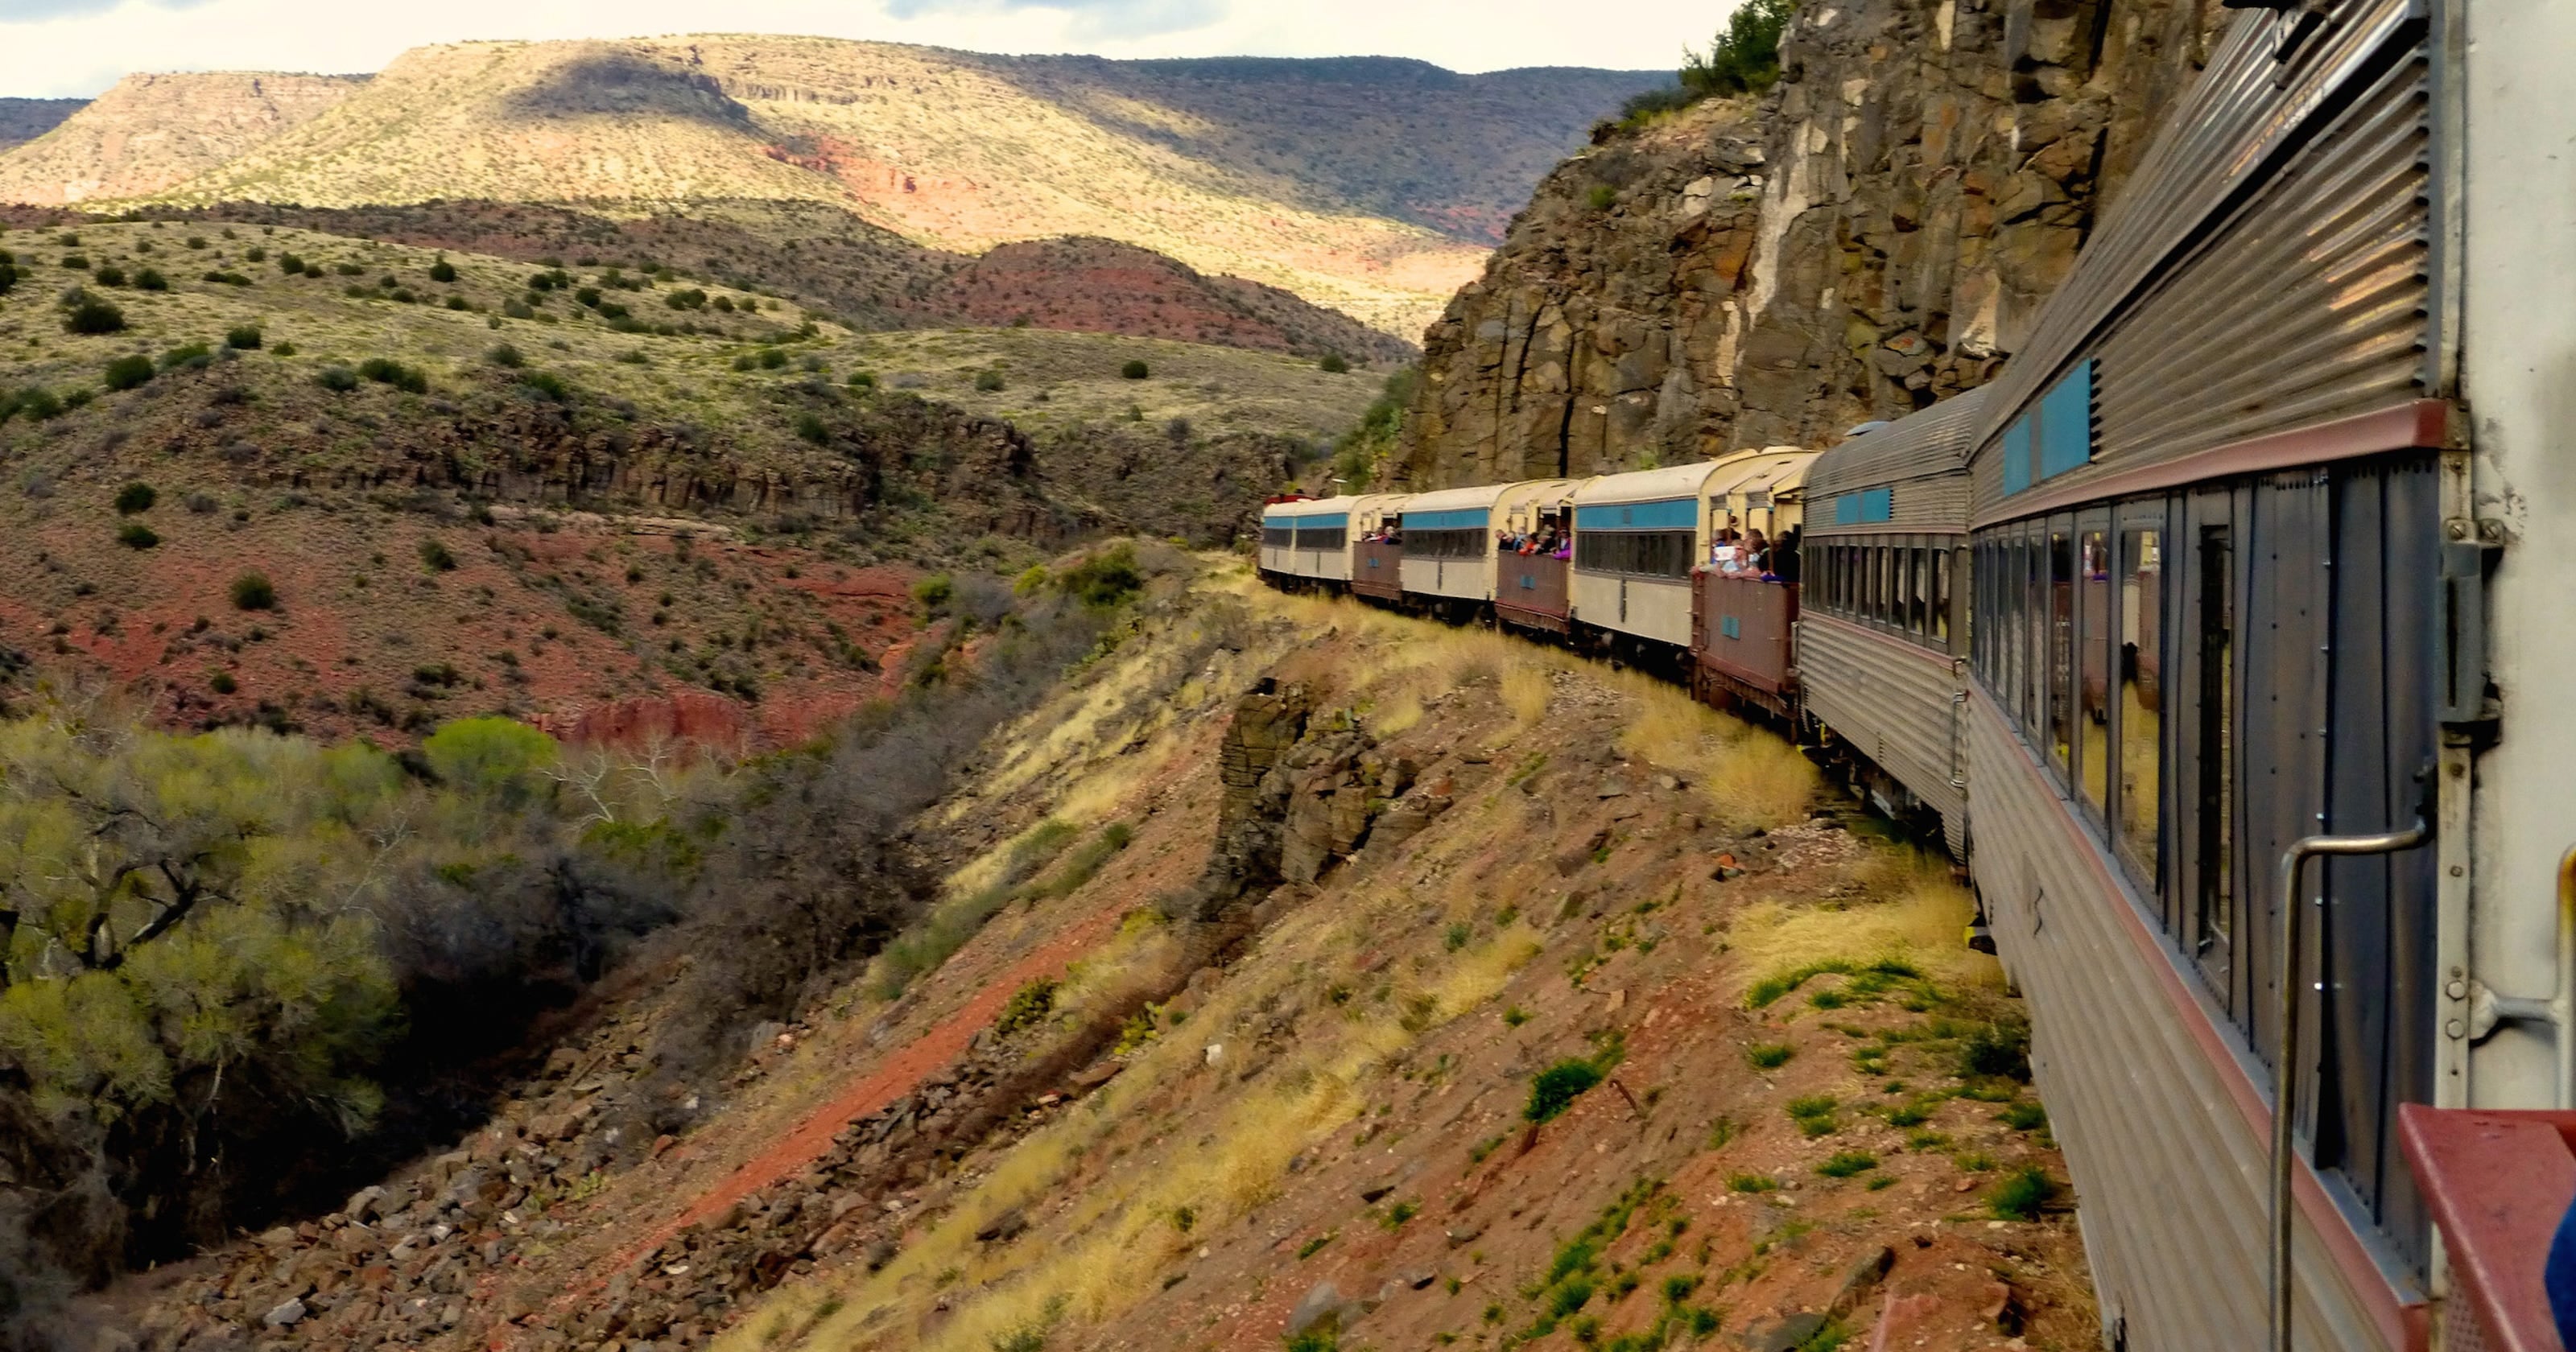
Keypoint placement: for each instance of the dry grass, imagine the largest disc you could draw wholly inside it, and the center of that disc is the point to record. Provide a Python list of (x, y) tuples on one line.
[(1914, 913), (1753, 779)]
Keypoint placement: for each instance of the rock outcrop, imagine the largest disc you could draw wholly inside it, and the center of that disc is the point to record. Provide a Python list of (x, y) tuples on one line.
[(1877, 232)]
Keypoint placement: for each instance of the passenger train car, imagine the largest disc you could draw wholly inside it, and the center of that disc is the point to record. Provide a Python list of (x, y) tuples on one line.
[(2215, 633)]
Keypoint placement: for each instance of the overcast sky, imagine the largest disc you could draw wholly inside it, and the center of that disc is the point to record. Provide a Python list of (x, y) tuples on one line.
[(62, 48)]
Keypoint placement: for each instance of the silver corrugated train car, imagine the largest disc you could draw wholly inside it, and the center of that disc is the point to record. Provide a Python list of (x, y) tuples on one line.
[(2229, 648), (1882, 629)]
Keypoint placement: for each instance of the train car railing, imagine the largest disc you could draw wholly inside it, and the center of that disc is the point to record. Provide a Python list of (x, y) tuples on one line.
[(1740, 630), (1530, 591), (1377, 569), (2497, 1184)]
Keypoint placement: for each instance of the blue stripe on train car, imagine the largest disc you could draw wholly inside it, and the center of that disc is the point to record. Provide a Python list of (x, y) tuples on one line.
[(1464, 518), (1877, 504), (1669, 514), (2066, 423), (1336, 521)]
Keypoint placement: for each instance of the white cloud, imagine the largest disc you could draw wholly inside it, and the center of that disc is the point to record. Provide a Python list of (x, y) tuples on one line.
[(53, 48)]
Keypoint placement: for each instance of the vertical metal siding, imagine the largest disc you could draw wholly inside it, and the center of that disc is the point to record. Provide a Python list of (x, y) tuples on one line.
[(1890, 701), (2153, 1138)]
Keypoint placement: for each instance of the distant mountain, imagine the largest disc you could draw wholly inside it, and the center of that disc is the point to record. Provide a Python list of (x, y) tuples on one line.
[(23, 120), (152, 132), (1369, 185)]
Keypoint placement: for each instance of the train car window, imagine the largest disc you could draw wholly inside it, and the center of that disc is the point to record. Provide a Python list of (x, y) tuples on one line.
[(1323, 537), (2034, 602), (2008, 593), (2141, 707), (1278, 536), (1642, 553), (2214, 806), (1471, 543), (2093, 668), (1909, 589), (1941, 597), (1885, 577), (2060, 640)]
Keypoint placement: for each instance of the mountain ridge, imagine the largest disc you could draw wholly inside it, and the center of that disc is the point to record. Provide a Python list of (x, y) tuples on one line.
[(1307, 179)]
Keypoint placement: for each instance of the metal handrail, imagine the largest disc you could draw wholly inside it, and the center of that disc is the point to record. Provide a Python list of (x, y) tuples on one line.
[(2284, 1079)]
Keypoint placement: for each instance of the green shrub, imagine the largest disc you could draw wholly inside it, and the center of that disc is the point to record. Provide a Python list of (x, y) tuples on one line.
[(587, 297), (125, 373), (244, 338), (192, 355), (810, 427), (386, 371), (1845, 1163), (863, 380), (87, 314), (1751, 1183), (2024, 1115), (38, 403), (1556, 1088), (135, 497), (150, 279), (507, 357), (1603, 197), (253, 591), (1770, 1055), (547, 383), (442, 271), (2022, 1195), (435, 557), (282, 350), (1135, 370), (222, 278), (136, 535), (1104, 578), (772, 359), (286, 263), (1335, 363), (1029, 1005), (222, 683), (988, 381), (1999, 1051), (336, 377), (691, 299)]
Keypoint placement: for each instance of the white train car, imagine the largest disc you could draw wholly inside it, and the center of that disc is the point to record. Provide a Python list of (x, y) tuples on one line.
[(1449, 543)]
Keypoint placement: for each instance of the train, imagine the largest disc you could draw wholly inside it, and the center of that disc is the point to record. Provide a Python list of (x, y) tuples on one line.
[(2215, 638)]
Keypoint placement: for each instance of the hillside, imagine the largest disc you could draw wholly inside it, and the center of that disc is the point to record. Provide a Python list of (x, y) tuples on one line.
[(1299, 971), (1363, 186), (153, 132), (828, 260), (559, 516), (23, 120), (1876, 232)]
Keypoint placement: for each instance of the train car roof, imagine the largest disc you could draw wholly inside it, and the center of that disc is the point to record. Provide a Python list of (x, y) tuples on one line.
[(1542, 490), (1310, 507), (1699, 479), (1928, 442), (1774, 469), (1456, 499)]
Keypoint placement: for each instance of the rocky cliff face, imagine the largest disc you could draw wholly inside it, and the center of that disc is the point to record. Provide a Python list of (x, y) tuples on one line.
[(1876, 233)]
